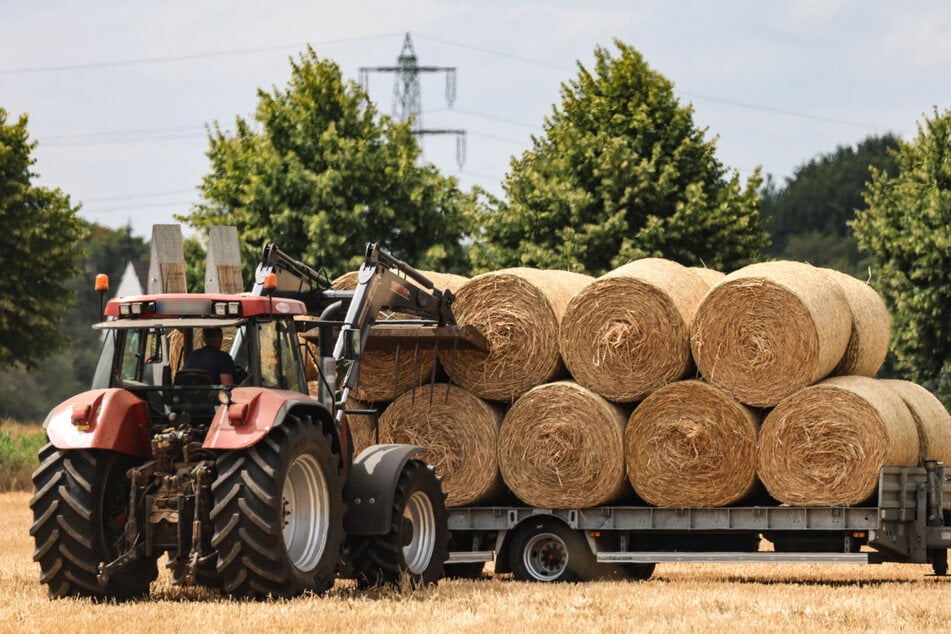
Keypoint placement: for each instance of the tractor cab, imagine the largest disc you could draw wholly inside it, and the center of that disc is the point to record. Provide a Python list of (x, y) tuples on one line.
[(147, 339)]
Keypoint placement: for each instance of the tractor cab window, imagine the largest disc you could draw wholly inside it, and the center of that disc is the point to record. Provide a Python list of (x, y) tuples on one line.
[(280, 357), (142, 357)]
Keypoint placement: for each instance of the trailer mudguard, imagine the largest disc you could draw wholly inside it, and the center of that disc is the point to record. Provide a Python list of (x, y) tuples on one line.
[(253, 412), (111, 418), (371, 488)]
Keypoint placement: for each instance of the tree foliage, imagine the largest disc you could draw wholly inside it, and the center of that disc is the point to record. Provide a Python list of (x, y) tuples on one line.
[(321, 173), (30, 394), (907, 229), (39, 252), (807, 219), (621, 172)]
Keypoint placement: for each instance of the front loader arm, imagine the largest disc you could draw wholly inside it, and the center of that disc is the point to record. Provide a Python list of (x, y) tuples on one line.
[(380, 287)]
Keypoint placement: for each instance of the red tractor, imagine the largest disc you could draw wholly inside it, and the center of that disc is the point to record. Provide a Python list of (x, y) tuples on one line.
[(251, 488)]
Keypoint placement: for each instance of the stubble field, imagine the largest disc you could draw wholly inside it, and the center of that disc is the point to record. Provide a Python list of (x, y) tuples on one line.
[(680, 597)]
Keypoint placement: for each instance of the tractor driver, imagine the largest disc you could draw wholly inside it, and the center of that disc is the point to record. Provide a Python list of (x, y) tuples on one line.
[(212, 359)]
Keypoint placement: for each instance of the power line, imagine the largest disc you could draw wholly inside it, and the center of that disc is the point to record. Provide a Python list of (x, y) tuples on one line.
[(722, 100), (503, 139), (181, 58), (134, 207), (483, 115), (480, 175), (110, 137), (104, 199), (480, 49), (518, 58), (781, 111)]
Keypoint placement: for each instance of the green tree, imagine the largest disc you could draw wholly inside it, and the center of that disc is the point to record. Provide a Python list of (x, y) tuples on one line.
[(807, 219), (39, 253), (29, 395), (322, 173), (621, 172), (907, 229)]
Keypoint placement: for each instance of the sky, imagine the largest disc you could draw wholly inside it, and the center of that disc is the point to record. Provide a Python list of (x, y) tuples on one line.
[(119, 93)]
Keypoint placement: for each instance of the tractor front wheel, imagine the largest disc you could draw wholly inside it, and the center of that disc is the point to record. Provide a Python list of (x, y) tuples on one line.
[(417, 544)]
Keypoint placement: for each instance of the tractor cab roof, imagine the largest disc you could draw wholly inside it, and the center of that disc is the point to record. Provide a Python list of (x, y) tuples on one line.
[(204, 307)]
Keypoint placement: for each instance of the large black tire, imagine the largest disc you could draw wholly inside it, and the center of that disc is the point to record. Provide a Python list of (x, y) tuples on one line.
[(417, 544), (278, 513), (939, 562), (80, 508), (625, 572), (547, 550)]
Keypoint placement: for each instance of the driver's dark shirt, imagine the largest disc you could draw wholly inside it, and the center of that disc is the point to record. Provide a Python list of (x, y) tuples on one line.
[(212, 360)]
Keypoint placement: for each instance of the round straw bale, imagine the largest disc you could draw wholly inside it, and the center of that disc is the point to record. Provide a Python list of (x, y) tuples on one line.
[(826, 444), (460, 432), (628, 332), (691, 444), (562, 446), (710, 276), (383, 377), (518, 311), (363, 427), (770, 329), (931, 417), (868, 342)]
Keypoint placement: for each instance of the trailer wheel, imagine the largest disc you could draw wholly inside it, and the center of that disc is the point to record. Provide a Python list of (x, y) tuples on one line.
[(547, 550), (80, 510), (278, 513), (417, 543)]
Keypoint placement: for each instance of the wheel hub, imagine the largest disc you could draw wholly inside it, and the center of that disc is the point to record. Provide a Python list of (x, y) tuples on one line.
[(419, 532), (545, 556), (306, 512)]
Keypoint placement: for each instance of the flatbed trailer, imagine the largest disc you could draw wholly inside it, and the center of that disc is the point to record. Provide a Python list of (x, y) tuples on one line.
[(910, 522)]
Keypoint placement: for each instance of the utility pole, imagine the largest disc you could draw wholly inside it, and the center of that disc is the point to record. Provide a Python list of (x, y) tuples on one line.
[(407, 102)]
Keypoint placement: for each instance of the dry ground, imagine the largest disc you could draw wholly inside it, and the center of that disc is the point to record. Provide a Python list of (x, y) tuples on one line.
[(680, 597)]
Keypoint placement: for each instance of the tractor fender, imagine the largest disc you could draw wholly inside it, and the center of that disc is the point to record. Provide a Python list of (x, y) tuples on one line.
[(371, 488), (111, 418), (266, 409)]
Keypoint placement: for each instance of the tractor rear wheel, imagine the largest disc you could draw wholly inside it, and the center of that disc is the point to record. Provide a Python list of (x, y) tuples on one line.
[(80, 510), (278, 513), (417, 543)]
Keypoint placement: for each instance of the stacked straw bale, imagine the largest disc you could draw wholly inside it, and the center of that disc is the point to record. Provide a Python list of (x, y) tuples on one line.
[(710, 276), (460, 432), (363, 427), (628, 332), (931, 418), (381, 377), (826, 444), (868, 340), (769, 329), (691, 444), (519, 312), (562, 446)]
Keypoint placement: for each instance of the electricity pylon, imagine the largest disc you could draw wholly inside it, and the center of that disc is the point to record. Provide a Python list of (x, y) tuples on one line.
[(407, 102)]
